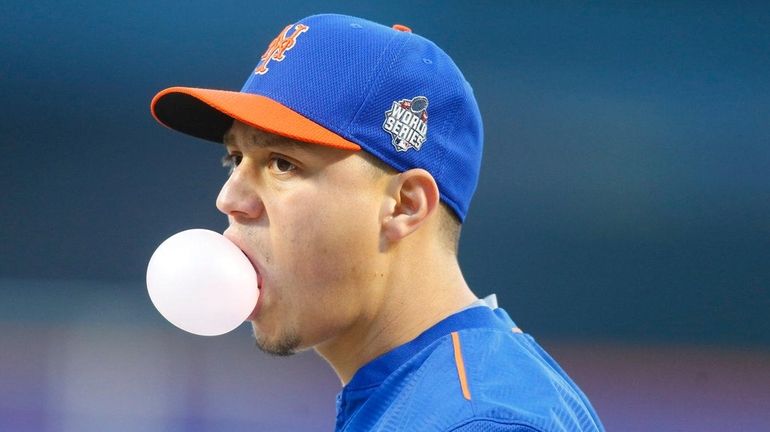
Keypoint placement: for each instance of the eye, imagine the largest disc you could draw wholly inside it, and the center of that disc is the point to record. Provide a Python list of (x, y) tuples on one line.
[(281, 165)]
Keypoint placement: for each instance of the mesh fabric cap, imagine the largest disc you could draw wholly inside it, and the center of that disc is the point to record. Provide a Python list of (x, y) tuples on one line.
[(342, 75)]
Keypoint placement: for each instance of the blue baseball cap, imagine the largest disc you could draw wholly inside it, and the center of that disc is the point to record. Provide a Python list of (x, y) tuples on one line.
[(349, 83)]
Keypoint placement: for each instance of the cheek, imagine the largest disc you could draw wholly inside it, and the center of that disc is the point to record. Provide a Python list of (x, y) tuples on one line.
[(327, 242)]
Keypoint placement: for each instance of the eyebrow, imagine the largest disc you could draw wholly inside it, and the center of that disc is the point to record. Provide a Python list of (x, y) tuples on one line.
[(264, 141)]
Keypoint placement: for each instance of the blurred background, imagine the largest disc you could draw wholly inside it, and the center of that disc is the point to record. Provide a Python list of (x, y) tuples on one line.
[(622, 215)]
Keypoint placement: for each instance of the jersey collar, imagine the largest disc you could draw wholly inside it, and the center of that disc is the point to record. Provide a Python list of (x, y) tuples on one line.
[(374, 372)]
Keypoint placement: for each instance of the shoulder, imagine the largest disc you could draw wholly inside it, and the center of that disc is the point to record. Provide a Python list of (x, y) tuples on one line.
[(477, 379), (487, 379)]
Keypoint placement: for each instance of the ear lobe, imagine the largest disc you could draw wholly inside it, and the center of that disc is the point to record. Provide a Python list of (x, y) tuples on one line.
[(415, 197)]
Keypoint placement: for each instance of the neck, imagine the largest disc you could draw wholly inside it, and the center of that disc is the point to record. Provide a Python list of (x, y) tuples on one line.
[(411, 300)]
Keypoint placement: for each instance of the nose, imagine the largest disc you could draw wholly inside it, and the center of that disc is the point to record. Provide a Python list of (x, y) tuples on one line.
[(239, 197)]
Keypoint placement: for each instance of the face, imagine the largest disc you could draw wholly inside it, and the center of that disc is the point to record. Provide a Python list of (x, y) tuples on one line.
[(308, 218)]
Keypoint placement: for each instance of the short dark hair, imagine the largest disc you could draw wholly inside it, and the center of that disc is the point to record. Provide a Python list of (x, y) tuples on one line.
[(450, 227), (449, 224)]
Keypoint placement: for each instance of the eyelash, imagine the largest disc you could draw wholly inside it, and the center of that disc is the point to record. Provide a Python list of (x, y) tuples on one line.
[(230, 161)]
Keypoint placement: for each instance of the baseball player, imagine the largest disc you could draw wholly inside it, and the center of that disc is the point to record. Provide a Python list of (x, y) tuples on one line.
[(354, 150)]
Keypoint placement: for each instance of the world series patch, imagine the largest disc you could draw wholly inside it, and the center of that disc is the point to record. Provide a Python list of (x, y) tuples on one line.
[(407, 123)]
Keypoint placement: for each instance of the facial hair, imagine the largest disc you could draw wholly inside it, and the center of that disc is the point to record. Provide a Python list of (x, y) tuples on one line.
[(286, 345)]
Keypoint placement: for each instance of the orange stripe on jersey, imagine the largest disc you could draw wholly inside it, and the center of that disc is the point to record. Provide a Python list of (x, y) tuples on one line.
[(460, 366)]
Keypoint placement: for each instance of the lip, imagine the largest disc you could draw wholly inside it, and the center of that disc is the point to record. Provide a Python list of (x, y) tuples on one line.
[(260, 290), (257, 269)]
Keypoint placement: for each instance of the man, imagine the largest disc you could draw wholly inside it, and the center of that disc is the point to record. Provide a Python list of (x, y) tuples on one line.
[(354, 151)]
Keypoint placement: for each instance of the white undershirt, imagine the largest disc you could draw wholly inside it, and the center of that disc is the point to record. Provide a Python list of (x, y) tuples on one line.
[(489, 301)]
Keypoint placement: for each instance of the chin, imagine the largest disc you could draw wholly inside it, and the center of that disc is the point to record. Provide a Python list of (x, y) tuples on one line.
[(286, 344)]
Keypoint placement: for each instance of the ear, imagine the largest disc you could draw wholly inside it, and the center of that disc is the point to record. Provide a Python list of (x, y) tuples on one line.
[(413, 197)]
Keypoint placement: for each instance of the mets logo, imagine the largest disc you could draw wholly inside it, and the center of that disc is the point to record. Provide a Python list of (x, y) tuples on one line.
[(278, 47), (407, 123)]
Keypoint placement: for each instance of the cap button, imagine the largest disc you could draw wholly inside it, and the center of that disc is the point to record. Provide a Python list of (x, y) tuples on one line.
[(402, 28)]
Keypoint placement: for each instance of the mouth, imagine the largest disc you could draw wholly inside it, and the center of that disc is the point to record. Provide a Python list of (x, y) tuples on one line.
[(260, 289), (260, 280)]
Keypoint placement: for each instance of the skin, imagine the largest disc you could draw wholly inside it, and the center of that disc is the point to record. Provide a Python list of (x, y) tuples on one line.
[(334, 243)]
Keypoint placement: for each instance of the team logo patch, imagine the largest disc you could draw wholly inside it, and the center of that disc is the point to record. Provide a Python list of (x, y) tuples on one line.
[(278, 47), (407, 123)]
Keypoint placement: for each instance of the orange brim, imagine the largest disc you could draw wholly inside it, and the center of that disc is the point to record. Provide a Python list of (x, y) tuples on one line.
[(208, 114)]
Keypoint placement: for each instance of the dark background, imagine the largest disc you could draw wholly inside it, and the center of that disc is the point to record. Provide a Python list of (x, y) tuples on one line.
[(625, 190), (622, 215)]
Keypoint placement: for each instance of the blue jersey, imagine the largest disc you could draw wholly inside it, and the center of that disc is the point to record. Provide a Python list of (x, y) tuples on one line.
[(473, 371)]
